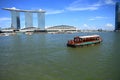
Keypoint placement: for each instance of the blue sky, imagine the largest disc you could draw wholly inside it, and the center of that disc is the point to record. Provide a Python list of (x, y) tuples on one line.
[(83, 14)]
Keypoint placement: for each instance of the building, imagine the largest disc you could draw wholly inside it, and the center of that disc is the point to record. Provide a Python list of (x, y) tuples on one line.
[(28, 19), (8, 30), (15, 17), (29, 29), (41, 21), (61, 28), (117, 16)]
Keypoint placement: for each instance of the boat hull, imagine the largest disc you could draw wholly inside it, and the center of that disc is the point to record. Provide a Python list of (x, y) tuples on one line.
[(83, 44)]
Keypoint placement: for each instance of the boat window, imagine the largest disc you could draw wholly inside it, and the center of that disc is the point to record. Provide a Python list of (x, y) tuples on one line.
[(97, 38), (76, 39), (80, 39)]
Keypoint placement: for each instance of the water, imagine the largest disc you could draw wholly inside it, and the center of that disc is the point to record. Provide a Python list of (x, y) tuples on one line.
[(46, 57)]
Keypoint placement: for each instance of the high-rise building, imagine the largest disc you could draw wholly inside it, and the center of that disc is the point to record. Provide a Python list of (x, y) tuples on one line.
[(28, 19), (15, 16), (117, 16), (41, 20)]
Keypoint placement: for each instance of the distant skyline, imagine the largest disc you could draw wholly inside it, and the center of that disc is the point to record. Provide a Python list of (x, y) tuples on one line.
[(83, 14)]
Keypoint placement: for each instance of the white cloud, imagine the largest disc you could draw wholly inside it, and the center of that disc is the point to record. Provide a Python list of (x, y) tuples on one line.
[(88, 27), (5, 19), (109, 25), (5, 22), (91, 19), (97, 4), (109, 2), (81, 5), (97, 18), (85, 25), (54, 11), (81, 8)]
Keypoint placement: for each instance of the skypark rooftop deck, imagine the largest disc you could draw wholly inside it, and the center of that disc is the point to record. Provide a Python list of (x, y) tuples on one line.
[(19, 10)]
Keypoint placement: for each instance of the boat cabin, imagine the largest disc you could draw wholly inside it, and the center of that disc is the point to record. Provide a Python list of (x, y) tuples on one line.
[(79, 39)]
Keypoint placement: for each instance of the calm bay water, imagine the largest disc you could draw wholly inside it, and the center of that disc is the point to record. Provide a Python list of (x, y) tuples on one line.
[(46, 57)]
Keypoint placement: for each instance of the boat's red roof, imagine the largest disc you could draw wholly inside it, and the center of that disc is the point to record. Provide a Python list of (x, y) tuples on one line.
[(89, 36)]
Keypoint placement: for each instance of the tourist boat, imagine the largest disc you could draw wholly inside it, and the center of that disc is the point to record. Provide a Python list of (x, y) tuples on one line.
[(84, 40)]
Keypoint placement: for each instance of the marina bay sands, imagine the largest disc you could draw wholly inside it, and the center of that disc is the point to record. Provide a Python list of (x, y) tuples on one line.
[(15, 18)]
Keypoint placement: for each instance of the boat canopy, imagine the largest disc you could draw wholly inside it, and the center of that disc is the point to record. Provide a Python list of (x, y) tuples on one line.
[(89, 36)]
